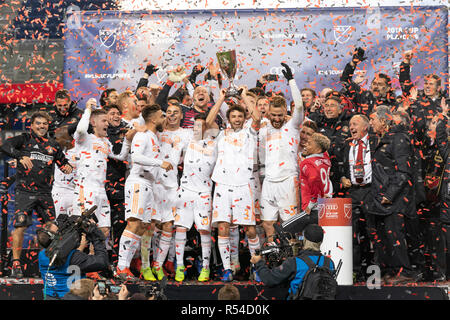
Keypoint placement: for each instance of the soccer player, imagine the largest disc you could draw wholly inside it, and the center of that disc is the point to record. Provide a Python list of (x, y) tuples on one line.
[(315, 172), (94, 149), (233, 202), (174, 140), (194, 201), (36, 154), (64, 184), (139, 190), (280, 139)]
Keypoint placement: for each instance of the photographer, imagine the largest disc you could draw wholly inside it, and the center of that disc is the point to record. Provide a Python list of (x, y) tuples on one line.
[(294, 269), (56, 278)]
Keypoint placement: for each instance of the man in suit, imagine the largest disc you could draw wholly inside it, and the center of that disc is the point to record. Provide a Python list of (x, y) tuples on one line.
[(392, 196), (356, 179)]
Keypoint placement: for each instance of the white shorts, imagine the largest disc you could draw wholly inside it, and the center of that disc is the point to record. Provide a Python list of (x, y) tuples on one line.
[(233, 205), (193, 207), (86, 197), (280, 199), (63, 199), (139, 201), (255, 184), (166, 203)]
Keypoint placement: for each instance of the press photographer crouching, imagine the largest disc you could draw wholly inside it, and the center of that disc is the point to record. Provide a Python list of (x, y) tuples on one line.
[(310, 274), (62, 260)]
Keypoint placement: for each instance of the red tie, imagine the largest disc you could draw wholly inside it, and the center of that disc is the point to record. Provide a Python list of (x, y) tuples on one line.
[(359, 160)]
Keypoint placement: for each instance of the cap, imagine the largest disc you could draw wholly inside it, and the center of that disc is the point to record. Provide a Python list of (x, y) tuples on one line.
[(313, 233)]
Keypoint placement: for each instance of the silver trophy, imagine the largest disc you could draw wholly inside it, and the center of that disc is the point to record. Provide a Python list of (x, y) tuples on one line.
[(228, 64)]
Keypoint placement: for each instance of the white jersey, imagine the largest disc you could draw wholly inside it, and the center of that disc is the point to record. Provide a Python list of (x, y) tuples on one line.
[(199, 162), (145, 157), (173, 147), (93, 159), (62, 180), (278, 148), (139, 121), (235, 156), (93, 153)]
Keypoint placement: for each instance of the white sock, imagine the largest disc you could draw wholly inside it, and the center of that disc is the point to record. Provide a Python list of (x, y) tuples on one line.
[(224, 248), (261, 233), (155, 243), (129, 243), (164, 246), (146, 242), (171, 254), (253, 245), (206, 249), (234, 243), (180, 243)]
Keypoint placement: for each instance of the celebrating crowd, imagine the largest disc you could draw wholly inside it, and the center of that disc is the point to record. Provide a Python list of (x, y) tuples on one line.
[(165, 165)]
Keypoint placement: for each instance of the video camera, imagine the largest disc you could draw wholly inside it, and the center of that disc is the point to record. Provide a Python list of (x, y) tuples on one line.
[(69, 234), (287, 239)]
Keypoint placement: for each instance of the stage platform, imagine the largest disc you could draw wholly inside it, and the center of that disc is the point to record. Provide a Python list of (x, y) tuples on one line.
[(31, 289)]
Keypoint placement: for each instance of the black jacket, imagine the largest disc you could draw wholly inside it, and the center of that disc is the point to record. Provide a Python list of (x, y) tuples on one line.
[(92, 262), (58, 120), (363, 100), (116, 169), (442, 139), (392, 174), (44, 152)]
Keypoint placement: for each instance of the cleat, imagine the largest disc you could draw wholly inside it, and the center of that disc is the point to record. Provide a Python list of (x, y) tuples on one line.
[(179, 275), (227, 276), (169, 267), (159, 273), (235, 266), (147, 274), (94, 276), (204, 275), (17, 271), (125, 274)]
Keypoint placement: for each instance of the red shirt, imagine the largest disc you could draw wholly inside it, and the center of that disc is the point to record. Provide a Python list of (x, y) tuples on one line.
[(315, 178)]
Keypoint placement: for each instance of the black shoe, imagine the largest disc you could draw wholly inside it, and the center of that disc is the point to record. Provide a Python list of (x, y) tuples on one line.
[(438, 276), (16, 271)]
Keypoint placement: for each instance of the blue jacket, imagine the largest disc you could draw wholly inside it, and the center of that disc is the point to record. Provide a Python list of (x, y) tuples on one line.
[(55, 279), (292, 270)]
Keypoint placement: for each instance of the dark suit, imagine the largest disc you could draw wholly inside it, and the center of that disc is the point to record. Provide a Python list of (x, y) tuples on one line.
[(392, 178), (361, 197)]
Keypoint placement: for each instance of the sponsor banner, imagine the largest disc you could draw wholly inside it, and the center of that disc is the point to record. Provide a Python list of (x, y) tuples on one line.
[(335, 217), (111, 48), (335, 212)]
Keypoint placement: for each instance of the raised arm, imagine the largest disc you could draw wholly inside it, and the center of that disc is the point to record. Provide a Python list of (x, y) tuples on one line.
[(83, 124), (149, 70), (298, 112), (212, 114)]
